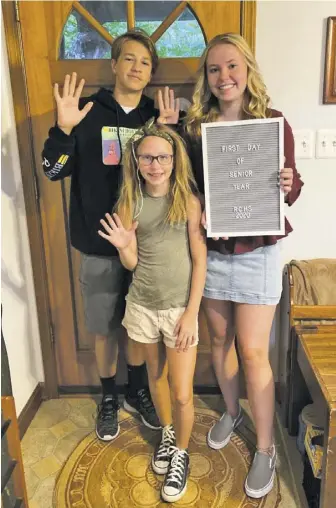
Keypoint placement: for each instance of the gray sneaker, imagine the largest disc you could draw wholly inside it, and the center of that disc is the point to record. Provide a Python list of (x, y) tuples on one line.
[(260, 478), (220, 433)]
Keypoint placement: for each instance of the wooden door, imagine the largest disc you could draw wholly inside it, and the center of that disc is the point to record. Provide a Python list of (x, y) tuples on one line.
[(46, 28)]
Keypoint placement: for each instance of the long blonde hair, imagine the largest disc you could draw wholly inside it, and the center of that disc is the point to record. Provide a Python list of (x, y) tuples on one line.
[(182, 183), (204, 107)]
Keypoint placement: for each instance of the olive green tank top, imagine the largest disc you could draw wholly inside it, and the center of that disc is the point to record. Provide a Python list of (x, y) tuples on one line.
[(162, 276)]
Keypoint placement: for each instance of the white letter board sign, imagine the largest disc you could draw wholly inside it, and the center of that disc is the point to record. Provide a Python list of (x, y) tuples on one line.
[(241, 163)]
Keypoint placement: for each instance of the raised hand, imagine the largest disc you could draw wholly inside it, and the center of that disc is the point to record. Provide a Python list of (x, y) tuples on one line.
[(168, 106), (116, 233), (68, 113)]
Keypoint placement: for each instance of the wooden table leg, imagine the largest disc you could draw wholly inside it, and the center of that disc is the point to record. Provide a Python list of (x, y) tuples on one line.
[(328, 486), (298, 393)]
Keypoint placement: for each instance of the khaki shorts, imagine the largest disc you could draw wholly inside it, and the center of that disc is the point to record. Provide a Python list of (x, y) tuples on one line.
[(150, 326)]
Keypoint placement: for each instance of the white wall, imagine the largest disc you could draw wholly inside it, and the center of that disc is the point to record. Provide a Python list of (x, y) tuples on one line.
[(290, 51), (20, 326)]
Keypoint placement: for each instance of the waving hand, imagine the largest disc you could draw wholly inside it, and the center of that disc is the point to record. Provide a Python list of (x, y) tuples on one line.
[(68, 113), (169, 107), (115, 233)]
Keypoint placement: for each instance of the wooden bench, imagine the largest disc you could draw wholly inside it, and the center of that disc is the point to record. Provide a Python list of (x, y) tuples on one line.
[(314, 377)]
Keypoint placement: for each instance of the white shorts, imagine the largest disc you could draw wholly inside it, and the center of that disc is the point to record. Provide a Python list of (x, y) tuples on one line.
[(151, 326)]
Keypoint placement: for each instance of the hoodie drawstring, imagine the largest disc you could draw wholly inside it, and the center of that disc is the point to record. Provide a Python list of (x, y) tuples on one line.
[(118, 133)]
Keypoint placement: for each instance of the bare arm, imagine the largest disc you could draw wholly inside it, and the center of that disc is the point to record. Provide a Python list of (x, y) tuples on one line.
[(198, 252), (129, 256), (186, 326)]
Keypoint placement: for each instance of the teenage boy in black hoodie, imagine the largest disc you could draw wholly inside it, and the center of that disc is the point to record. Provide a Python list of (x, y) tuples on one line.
[(87, 144)]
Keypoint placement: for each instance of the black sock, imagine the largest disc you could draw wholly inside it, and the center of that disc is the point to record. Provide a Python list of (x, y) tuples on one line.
[(109, 386), (136, 378)]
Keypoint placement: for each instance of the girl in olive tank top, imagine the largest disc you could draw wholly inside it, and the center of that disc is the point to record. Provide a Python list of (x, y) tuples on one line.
[(159, 237)]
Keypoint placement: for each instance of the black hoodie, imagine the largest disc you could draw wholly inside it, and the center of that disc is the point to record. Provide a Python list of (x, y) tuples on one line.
[(91, 156)]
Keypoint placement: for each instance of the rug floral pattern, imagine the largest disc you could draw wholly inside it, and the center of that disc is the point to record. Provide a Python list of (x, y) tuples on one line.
[(118, 474)]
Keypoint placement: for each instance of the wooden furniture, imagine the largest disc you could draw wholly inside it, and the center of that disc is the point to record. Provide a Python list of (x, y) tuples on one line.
[(316, 362), (308, 300), (13, 486), (329, 89)]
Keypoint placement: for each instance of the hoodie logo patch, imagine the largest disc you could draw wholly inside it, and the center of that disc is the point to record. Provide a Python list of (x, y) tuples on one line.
[(111, 150)]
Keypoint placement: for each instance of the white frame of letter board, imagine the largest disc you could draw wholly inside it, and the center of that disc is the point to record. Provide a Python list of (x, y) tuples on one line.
[(210, 232)]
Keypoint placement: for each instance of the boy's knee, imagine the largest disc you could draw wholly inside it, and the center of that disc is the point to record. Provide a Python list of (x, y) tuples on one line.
[(156, 376), (223, 339), (104, 339)]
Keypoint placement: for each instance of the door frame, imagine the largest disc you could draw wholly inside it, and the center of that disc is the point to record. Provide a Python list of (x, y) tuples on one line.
[(31, 193), (10, 10)]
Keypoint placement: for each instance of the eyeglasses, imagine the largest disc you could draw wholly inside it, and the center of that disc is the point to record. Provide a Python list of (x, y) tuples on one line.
[(163, 159)]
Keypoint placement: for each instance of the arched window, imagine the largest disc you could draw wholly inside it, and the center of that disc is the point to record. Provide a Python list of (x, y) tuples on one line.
[(92, 26)]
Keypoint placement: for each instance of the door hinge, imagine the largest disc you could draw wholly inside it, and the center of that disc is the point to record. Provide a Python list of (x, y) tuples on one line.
[(52, 333), (17, 11), (36, 188)]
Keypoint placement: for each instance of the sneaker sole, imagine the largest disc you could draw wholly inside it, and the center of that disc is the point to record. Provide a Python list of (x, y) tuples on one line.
[(109, 438), (217, 446), (172, 499), (158, 470), (133, 410), (256, 494)]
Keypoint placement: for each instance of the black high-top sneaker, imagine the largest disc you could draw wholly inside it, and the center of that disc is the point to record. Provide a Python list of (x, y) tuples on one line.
[(161, 457), (175, 484)]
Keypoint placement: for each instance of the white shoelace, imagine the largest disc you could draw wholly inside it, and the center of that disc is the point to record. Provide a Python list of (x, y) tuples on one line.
[(168, 439), (176, 470)]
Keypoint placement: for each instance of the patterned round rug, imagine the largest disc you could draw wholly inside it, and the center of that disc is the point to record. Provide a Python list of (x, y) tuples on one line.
[(118, 474)]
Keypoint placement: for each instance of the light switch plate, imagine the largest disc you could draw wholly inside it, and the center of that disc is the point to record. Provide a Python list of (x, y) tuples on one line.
[(326, 144), (304, 143)]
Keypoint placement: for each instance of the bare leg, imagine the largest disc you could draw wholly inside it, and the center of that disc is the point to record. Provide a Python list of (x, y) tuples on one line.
[(253, 324), (106, 349), (158, 381), (220, 320), (135, 352), (181, 374)]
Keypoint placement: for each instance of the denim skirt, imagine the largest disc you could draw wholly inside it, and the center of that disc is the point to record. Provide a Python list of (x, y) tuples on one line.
[(254, 277)]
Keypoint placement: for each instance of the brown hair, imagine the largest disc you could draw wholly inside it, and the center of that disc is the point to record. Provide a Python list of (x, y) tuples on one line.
[(137, 35)]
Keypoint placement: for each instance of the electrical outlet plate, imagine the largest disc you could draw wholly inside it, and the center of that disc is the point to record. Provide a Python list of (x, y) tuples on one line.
[(304, 143), (326, 144)]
